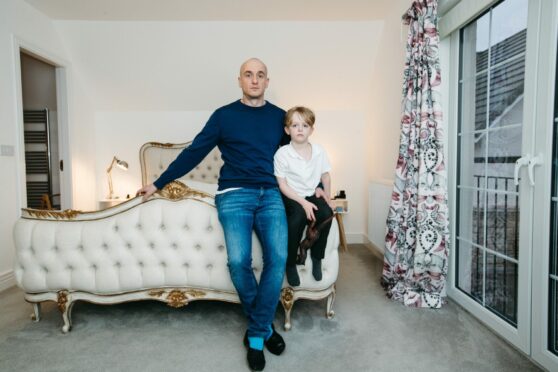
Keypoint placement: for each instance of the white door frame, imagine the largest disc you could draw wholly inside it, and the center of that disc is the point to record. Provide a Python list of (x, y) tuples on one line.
[(62, 86), (520, 336), (543, 183)]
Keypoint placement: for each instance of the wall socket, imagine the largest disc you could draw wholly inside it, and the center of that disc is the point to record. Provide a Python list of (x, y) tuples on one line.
[(6, 150)]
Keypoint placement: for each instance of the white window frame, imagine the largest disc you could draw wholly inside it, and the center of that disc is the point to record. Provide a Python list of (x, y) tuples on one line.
[(520, 336)]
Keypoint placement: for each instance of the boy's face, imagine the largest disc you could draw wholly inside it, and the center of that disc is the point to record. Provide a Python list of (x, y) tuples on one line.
[(299, 130)]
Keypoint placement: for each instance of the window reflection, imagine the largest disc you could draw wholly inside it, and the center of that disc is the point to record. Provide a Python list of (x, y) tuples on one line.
[(492, 74)]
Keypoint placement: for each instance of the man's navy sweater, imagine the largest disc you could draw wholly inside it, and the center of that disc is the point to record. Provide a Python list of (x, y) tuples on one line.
[(247, 138)]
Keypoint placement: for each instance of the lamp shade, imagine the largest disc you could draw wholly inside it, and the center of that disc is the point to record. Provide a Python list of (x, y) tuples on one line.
[(122, 165)]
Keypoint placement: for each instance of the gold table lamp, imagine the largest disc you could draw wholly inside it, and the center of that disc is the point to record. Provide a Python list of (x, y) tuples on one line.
[(122, 165)]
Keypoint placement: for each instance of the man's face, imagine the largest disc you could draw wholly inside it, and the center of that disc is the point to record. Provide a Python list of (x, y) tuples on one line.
[(253, 79)]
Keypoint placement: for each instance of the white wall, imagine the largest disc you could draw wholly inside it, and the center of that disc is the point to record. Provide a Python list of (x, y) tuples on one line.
[(387, 87), (160, 80), (123, 133), (24, 22), (385, 122), (192, 66), (379, 198)]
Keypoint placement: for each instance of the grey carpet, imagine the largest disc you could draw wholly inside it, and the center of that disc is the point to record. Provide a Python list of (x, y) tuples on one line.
[(368, 333)]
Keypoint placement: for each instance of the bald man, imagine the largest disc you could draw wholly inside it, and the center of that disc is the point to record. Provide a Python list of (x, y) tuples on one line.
[(247, 132)]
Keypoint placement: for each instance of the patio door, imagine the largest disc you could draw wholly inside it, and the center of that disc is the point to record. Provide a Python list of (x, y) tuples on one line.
[(495, 145), (505, 252)]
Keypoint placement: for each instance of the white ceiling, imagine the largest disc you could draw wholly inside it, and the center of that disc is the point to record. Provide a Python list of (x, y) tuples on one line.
[(217, 10)]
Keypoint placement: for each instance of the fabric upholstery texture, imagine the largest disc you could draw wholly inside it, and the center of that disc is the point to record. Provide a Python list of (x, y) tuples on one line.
[(155, 158), (134, 246)]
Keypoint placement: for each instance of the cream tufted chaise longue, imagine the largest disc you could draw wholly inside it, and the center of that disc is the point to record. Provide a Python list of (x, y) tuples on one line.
[(170, 248)]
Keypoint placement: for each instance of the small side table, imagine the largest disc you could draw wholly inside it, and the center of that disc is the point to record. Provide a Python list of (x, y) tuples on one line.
[(342, 208)]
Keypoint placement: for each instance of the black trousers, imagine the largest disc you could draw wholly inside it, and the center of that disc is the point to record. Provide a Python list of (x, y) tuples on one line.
[(296, 221)]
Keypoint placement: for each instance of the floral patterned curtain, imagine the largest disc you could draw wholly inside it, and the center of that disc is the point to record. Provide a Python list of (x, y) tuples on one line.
[(417, 236)]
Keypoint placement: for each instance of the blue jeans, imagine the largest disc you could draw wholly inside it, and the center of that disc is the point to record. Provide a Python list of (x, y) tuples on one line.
[(261, 210)]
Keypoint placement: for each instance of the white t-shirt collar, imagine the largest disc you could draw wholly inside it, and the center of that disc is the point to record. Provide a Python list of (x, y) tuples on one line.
[(293, 153)]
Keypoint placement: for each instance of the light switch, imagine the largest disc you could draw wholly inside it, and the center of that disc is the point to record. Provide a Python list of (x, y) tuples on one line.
[(6, 150)]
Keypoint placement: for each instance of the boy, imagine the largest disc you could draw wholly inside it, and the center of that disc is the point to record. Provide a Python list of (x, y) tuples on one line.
[(299, 168)]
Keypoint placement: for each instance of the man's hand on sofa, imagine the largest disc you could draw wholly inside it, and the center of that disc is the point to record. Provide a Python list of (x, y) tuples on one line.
[(146, 191)]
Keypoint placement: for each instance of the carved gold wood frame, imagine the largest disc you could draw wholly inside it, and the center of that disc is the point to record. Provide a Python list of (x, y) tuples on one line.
[(174, 297), (147, 146), (289, 296), (174, 191)]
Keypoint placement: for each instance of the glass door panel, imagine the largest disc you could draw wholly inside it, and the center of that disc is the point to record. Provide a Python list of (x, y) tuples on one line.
[(471, 210), (471, 275), (490, 137), (473, 160), (501, 286), (508, 22)]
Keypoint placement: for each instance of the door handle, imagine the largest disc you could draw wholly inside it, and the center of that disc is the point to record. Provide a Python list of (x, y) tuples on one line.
[(61, 165), (518, 164), (533, 161)]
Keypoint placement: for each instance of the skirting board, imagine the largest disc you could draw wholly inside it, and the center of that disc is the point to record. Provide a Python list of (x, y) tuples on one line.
[(375, 249), (355, 238), (7, 280)]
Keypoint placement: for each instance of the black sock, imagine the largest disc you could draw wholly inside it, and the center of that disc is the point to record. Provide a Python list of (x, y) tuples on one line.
[(292, 275), (317, 268)]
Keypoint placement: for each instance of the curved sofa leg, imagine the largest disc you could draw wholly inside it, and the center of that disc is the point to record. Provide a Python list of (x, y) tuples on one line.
[(36, 316), (287, 325), (69, 315), (65, 306), (330, 300), (287, 300)]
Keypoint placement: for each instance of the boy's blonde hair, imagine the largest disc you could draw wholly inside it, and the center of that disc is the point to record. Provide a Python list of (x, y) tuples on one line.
[(305, 113)]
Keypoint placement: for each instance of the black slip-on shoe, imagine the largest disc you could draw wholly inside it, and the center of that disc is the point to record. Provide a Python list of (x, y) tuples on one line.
[(275, 343), (256, 359)]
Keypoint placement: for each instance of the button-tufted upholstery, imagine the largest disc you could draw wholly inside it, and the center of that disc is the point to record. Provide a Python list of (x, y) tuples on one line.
[(159, 243), (155, 157)]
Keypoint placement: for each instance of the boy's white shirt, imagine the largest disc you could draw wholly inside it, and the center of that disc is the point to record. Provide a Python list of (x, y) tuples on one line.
[(303, 176)]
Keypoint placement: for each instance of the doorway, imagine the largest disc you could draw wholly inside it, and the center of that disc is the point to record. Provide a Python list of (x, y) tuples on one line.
[(44, 178), (40, 133)]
